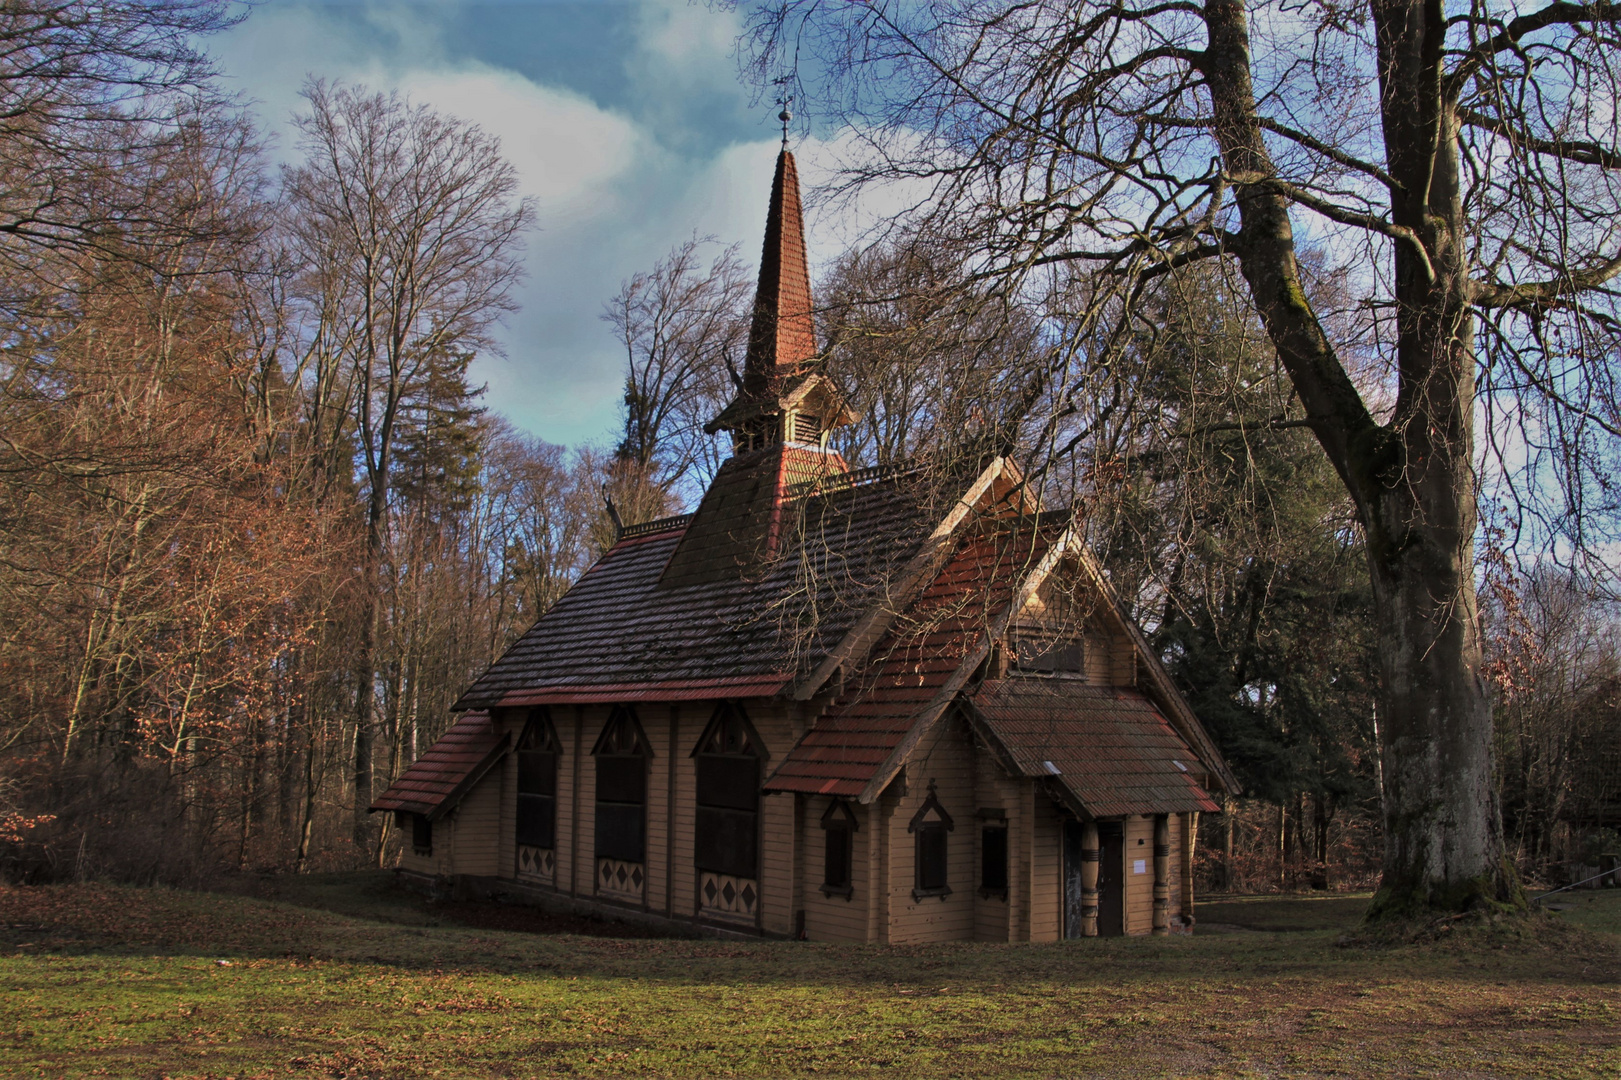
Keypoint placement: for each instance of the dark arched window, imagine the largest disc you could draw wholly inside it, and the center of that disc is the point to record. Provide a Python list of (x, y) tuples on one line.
[(729, 756), (537, 782), (622, 753)]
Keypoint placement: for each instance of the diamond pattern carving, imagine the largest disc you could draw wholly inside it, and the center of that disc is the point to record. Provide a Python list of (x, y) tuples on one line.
[(620, 880), (537, 864), (727, 897)]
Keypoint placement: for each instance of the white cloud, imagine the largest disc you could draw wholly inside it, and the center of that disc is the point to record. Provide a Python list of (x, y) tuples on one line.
[(613, 193)]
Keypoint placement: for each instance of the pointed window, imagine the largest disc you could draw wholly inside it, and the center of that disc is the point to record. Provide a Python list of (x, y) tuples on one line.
[(930, 826), (839, 826), (622, 753), (537, 781), (729, 755)]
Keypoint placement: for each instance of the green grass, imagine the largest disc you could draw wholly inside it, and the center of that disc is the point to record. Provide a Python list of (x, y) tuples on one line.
[(98, 980)]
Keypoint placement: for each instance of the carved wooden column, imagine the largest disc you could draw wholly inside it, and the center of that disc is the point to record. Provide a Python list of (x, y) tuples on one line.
[(1089, 879), (1162, 873), (1190, 837)]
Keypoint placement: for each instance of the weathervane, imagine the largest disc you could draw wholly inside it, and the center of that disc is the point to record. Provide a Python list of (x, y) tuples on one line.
[(784, 100)]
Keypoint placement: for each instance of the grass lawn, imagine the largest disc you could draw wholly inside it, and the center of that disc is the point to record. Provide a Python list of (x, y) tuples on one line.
[(342, 976)]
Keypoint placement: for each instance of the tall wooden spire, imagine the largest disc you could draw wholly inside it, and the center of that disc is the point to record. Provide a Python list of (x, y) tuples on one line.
[(782, 339)]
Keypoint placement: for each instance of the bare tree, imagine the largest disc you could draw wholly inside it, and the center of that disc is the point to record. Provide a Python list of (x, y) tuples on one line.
[(1459, 162), (683, 328), (87, 89), (410, 224)]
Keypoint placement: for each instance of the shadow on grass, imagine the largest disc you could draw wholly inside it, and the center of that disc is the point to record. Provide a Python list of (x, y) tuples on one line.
[(365, 919), (1283, 914)]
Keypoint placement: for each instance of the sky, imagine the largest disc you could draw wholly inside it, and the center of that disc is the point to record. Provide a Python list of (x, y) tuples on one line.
[(625, 119)]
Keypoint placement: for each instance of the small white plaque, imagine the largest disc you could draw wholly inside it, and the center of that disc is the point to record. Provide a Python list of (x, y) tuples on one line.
[(1140, 866)]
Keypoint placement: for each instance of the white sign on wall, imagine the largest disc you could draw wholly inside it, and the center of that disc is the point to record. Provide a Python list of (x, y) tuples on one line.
[(1140, 866)]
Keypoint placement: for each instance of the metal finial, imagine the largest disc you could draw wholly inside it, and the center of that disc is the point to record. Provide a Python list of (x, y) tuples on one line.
[(785, 116)]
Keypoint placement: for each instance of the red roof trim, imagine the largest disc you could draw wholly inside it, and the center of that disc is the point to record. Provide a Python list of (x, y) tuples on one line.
[(673, 690)]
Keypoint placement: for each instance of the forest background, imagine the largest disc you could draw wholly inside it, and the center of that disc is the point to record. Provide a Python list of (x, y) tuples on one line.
[(259, 529)]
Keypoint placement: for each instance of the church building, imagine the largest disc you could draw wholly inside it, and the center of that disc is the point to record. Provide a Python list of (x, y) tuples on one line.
[(890, 706)]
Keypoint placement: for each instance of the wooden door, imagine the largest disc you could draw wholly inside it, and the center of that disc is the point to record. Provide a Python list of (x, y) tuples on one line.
[(1074, 832), (1111, 878)]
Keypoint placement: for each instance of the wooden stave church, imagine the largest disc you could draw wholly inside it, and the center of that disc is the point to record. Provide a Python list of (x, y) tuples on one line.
[(828, 704)]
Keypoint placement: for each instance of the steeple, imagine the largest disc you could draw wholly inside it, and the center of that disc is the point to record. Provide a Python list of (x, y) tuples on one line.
[(782, 339), (783, 399), (779, 420)]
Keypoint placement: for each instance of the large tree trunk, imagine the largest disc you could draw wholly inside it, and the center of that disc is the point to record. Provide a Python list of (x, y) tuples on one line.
[(1411, 478), (1443, 839)]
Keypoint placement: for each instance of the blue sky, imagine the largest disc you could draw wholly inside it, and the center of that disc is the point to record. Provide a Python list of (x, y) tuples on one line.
[(625, 119)]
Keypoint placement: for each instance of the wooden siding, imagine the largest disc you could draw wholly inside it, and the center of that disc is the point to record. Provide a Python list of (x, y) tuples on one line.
[(506, 842), (591, 719), (835, 918), (775, 724), (1139, 887), (475, 827), (945, 759), (1046, 870), (683, 875), (442, 861), (994, 789), (655, 718)]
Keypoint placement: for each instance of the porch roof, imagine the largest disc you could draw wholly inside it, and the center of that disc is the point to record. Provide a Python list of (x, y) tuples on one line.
[(1107, 747), (448, 769)]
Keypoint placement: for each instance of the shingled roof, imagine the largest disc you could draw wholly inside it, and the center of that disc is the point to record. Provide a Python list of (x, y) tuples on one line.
[(1107, 746), (916, 669), (449, 768), (627, 632), (782, 337)]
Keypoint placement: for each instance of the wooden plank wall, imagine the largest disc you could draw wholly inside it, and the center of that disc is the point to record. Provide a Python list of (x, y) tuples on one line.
[(835, 918), (694, 717), (945, 757), (476, 827), (1046, 870), (994, 789), (655, 720), (506, 850), (440, 862), (774, 722), (591, 718), (1139, 850)]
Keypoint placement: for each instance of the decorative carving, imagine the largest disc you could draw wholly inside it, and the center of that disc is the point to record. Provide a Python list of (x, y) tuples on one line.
[(1089, 879), (726, 897), (621, 880), (1162, 874), (537, 864)]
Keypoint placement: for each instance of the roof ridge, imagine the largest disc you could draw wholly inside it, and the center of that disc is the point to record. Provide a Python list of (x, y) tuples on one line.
[(871, 474), (657, 525)]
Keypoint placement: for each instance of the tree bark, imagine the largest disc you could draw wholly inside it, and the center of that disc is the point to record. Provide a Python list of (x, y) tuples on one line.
[(1411, 479)]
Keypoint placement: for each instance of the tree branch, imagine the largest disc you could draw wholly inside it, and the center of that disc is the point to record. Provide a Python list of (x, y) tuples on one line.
[(1579, 151), (1490, 294)]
